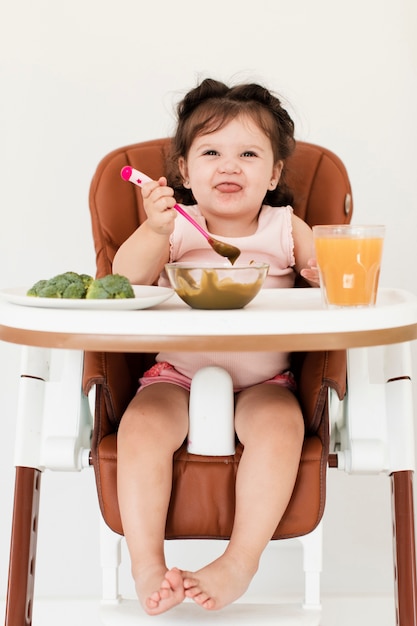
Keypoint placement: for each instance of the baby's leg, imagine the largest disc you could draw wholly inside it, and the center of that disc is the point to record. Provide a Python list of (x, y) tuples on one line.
[(154, 425), (269, 423)]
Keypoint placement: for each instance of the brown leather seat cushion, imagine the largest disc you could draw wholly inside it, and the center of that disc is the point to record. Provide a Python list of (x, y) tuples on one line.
[(204, 506)]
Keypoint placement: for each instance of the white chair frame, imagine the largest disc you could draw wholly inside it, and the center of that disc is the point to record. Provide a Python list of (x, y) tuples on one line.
[(372, 432)]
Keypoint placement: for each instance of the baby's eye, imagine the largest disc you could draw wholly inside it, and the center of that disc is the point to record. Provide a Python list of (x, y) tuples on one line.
[(249, 153), (211, 152)]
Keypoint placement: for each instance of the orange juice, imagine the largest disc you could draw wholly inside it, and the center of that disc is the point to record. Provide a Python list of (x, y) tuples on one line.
[(349, 266)]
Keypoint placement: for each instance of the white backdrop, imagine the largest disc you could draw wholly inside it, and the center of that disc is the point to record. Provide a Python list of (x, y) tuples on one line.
[(81, 77)]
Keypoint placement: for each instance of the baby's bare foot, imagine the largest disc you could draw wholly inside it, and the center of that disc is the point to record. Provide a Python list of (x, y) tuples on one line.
[(220, 583), (159, 589)]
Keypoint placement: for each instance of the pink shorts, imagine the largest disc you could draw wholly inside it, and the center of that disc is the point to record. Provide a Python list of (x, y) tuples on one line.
[(164, 372)]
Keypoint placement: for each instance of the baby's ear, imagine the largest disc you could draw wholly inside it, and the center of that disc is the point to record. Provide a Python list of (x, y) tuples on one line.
[(182, 166), (276, 174)]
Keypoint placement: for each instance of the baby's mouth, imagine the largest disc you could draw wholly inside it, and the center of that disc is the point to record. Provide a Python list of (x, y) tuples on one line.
[(228, 187)]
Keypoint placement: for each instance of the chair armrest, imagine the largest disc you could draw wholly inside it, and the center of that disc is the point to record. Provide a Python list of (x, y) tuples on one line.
[(117, 375), (317, 372)]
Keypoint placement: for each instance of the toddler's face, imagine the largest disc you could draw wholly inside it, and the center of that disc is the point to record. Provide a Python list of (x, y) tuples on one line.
[(231, 169)]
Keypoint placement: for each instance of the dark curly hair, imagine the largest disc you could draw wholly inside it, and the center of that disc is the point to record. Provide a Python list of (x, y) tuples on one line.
[(211, 105)]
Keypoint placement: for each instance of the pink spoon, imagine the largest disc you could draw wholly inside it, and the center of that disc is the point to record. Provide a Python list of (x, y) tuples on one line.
[(224, 249)]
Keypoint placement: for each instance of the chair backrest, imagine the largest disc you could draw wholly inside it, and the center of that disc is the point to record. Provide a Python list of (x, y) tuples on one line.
[(316, 176)]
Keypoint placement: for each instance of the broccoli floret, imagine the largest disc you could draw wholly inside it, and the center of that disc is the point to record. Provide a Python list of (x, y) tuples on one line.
[(87, 280), (111, 286), (34, 290), (66, 285), (75, 290), (53, 288), (70, 276)]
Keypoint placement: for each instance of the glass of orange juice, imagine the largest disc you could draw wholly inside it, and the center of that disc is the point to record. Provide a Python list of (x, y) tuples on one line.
[(349, 262)]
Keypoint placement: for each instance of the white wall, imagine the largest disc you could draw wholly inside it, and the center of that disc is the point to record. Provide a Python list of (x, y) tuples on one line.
[(81, 77)]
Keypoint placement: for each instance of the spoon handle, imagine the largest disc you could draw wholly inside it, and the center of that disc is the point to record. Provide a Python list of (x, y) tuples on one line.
[(139, 178), (192, 221)]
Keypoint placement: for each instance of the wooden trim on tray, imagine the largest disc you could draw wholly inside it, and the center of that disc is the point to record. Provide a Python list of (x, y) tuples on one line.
[(217, 343)]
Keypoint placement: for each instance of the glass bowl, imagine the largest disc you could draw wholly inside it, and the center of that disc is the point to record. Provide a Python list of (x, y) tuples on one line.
[(222, 286)]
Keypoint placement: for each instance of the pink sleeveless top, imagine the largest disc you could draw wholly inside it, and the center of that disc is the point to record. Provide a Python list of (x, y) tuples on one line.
[(271, 243)]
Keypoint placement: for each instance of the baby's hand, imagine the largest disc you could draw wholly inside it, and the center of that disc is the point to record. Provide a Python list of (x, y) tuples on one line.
[(158, 202), (311, 273)]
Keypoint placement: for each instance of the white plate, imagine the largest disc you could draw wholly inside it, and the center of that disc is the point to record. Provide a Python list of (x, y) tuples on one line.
[(146, 296)]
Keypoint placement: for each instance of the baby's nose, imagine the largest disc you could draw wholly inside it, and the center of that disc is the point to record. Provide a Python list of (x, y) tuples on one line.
[(229, 166)]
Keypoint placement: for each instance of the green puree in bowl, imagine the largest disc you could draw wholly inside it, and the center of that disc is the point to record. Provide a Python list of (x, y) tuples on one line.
[(213, 293)]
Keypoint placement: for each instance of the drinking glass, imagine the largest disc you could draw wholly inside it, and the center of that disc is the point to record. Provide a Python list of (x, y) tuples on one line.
[(349, 262)]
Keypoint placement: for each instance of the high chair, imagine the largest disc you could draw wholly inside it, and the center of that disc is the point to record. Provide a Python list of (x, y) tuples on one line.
[(202, 503)]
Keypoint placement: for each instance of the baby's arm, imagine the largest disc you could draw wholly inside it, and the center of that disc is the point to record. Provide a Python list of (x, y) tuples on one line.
[(142, 256), (305, 263)]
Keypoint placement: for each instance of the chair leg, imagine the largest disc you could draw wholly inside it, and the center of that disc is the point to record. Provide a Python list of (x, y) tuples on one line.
[(110, 560), (19, 601), (312, 564), (404, 548)]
